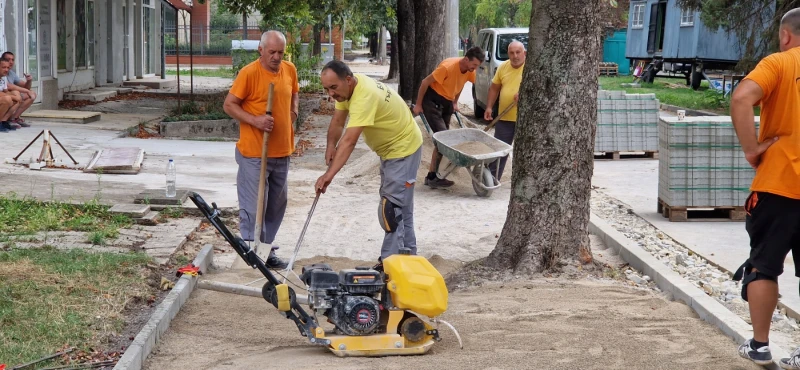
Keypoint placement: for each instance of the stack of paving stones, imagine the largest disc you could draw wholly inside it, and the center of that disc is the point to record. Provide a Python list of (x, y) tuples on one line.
[(701, 163), (626, 122)]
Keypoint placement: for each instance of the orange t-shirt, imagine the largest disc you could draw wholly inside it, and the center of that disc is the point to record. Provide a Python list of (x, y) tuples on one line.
[(779, 78), (449, 81), (252, 86)]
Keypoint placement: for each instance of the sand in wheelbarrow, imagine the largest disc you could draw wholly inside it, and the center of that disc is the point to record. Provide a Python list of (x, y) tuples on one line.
[(473, 148)]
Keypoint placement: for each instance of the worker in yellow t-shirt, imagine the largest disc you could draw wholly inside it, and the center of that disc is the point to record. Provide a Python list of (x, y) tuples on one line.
[(506, 83), (389, 129), (247, 103), (773, 207), (438, 100)]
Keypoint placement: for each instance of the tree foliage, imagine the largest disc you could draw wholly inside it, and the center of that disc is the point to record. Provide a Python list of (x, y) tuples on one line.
[(754, 22)]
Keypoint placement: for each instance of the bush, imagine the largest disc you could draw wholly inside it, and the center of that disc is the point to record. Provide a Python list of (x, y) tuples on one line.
[(207, 108)]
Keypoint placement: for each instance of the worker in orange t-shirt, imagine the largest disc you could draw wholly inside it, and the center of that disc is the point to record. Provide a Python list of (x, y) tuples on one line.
[(773, 207), (438, 100), (247, 103)]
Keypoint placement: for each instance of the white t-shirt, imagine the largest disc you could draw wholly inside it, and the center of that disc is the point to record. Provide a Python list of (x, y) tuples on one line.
[(3, 84)]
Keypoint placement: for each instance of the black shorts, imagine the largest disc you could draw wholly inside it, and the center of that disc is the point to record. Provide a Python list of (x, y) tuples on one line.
[(773, 223), (437, 110)]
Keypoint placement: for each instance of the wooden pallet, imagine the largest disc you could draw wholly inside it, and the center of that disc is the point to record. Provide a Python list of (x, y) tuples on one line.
[(625, 155), (607, 70), (684, 214)]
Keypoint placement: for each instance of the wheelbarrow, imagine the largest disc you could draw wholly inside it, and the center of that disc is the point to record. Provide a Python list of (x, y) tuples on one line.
[(483, 180)]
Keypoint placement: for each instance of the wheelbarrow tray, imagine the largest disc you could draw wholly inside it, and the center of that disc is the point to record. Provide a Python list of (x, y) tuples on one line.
[(446, 141)]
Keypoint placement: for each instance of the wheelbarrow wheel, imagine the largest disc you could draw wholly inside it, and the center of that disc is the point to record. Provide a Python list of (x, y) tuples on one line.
[(481, 172)]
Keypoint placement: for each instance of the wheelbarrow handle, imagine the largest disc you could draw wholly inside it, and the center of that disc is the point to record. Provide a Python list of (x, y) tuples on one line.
[(424, 121)]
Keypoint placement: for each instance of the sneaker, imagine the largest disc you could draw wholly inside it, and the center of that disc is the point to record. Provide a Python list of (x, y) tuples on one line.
[(14, 125), (761, 356), (7, 126), (437, 183), (3, 129), (274, 262), (793, 362)]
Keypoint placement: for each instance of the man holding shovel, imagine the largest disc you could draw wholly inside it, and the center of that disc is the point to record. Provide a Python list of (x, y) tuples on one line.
[(247, 102), (389, 129), (506, 83)]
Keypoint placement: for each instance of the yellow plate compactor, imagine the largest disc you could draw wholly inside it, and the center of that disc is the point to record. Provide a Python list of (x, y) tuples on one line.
[(374, 313)]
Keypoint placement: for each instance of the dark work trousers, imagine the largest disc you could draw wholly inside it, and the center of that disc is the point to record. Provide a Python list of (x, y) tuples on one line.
[(503, 131)]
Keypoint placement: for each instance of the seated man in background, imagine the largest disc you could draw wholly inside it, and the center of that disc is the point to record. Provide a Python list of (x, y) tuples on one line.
[(9, 100), (28, 96)]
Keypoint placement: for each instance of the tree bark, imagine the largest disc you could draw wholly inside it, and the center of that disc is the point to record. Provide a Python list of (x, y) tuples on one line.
[(317, 49), (548, 213), (393, 56), (405, 47), (429, 41)]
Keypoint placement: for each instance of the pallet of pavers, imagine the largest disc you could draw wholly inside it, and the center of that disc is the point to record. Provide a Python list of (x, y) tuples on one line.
[(702, 173), (627, 125)]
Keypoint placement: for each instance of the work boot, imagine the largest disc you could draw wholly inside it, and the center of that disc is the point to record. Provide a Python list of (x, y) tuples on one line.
[(275, 262), (763, 356), (437, 183)]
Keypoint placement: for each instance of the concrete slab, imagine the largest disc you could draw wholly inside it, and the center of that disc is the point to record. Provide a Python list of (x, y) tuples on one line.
[(158, 197), (90, 95), (152, 82), (63, 116), (149, 219), (131, 210), (118, 90), (725, 244)]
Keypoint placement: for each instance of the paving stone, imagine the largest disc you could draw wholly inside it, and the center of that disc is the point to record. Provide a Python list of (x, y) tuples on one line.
[(131, 210), (157, 197), (150, 219)]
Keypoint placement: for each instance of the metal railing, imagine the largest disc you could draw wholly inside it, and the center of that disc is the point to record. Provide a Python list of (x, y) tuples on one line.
[(206, 40)]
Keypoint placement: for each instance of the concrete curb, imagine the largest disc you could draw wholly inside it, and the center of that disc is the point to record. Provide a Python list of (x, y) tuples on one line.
[(144, 343), (708, 308)]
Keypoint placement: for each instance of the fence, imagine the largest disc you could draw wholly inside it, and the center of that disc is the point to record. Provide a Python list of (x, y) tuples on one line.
[(206, 40)]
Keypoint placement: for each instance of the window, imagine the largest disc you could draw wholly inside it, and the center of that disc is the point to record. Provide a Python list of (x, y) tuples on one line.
[(687, 17), (637, 18), (84, 33), (504, 40)]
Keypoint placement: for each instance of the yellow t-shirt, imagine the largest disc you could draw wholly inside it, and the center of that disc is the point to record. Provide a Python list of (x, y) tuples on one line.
[(448, 79), (389, 127), (252, 86), (779, 78), (510, 78)]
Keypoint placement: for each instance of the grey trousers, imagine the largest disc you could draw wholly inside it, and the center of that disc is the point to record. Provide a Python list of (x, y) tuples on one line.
[(398, 177), (503, 131), (275, 195)]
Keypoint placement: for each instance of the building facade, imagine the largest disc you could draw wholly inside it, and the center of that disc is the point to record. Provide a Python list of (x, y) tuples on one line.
[(73, 45)]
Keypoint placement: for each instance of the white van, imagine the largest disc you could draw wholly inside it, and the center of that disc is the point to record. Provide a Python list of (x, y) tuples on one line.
[(494, 41)]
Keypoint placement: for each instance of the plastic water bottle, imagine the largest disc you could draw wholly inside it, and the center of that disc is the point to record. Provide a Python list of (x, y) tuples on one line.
[(171, 175)]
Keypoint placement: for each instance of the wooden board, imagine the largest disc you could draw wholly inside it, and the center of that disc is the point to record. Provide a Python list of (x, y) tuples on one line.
[(116, 160), (684, 214)]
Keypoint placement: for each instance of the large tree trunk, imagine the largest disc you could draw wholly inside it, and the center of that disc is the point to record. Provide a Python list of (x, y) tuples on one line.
[(405, 47), (548, 214), (429, 40), (393, 56)]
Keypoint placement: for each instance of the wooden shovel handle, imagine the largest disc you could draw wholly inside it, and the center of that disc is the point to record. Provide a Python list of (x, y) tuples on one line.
[(262, 177), (503, 113)]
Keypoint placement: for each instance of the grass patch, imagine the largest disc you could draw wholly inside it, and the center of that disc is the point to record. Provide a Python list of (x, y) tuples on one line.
[(224, 72), (674, 91), (51, 298), (26, 216), (172, 212)]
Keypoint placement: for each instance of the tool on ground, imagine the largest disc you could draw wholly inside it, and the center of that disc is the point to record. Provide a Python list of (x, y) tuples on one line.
[(503, 113), (262, 180), (46, 155), (45, 358), (373, 313), (189, 269)]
